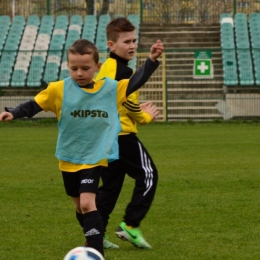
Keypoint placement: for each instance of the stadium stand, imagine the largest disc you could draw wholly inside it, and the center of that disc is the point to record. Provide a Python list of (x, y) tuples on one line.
[(10, 50), (245, 66), (41, 47), (55, 51), (254, 30), (89, 28), (73, 34), (4, 28), (33, 50), (101, 38), (228, 50), (23, 59)]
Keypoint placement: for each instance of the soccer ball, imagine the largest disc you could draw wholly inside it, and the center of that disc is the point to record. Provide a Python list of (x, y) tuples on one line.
[(83, 253)]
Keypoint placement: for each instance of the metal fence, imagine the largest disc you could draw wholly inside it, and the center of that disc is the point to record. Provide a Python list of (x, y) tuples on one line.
[(156, 11)]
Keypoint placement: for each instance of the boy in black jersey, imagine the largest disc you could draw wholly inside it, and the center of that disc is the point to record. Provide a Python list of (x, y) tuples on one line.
[(134, 159)]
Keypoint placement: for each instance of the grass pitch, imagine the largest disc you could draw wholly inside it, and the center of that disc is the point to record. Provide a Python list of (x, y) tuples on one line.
[(206, 205)]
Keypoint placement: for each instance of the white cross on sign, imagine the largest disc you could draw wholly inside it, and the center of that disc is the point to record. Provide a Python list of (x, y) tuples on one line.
[(202, 67)]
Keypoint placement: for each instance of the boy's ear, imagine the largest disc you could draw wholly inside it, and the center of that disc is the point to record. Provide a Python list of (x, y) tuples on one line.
[(99, 66), (110, 45)]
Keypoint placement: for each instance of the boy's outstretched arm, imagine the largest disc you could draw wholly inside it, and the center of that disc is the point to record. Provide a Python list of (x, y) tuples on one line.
[(26, 109), (141, 76)]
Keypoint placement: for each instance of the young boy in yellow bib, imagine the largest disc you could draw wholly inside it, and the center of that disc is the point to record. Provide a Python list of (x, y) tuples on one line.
[(88, 126)]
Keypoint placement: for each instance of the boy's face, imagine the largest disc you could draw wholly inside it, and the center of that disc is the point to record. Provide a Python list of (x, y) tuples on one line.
[(82, 68), (125, 46)]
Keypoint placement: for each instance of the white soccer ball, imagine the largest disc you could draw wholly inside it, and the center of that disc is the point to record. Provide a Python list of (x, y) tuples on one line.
[(83, 253)]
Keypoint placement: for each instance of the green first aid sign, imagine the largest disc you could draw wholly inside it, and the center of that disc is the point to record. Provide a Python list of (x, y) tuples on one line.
[(203, 68)]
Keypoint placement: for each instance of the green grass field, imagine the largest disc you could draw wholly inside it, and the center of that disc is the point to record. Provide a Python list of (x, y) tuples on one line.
[(207, 204)]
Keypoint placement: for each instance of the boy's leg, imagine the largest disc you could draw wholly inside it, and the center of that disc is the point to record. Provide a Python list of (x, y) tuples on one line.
[(80, 218), (93, 225), (82, 186), (106, 199), (138, 165), (112, 182)]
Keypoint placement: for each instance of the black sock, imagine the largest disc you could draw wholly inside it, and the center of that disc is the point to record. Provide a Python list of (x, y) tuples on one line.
[(93, 229), (80, 218)]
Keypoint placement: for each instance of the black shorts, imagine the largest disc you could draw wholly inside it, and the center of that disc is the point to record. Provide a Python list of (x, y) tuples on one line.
[(86, 180)]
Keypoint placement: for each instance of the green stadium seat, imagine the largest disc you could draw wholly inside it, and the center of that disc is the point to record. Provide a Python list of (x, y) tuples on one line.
[(57, 42), (8, 57), (34, 79), (246, 77), (228, 45), (3, 31), (5, 20), (89, 35), (91, 18), (5, 76), (51, 72), (33, 20), (230, 68), (229, 55), (19, 20), (47, 20), (256, 54), (76, 19), (62, 22), (104, 19), (75, 34), (101, 44), (38, 61), (254, 17), (240, 17), (72, 36), (242, 44), (224, 15), (18, 78), (45, 30)]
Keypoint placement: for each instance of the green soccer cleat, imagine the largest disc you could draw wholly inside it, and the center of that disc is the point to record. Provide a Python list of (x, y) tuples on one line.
[(107, 244), (132, 235)]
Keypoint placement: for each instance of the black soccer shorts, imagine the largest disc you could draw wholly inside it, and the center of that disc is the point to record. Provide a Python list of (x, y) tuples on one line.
[(86, 180)]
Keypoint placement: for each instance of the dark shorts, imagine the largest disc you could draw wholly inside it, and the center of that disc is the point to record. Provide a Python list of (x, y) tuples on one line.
[(86, 180)]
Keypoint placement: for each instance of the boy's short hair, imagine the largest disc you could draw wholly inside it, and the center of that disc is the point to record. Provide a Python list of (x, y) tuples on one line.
[(117, 26), (83, 46)]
